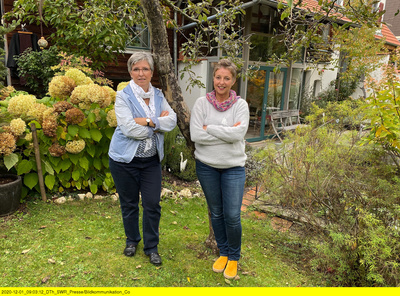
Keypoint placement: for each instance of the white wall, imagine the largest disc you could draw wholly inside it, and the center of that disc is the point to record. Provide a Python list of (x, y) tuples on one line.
[(377, 75), (328, 75), (190, 95)]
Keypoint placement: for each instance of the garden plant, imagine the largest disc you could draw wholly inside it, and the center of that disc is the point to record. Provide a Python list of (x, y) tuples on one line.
[(340, 177), (74, 121)]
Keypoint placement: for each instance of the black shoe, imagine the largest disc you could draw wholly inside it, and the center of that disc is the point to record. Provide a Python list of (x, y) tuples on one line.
[(155, 259), (130, 250)]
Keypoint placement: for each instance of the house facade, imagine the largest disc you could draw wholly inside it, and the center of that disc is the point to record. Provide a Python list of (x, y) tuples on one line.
[(267, 90)]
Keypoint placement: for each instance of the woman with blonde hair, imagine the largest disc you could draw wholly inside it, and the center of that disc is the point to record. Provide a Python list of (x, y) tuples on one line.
[(218, 125)]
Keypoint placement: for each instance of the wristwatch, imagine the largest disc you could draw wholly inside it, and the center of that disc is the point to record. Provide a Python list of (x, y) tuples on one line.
[(148, 121)]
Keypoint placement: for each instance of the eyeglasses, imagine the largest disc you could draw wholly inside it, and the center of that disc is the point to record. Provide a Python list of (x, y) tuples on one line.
[(144, 70)]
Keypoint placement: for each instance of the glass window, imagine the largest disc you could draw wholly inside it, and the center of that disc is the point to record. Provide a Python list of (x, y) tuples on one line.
[(263, 47), (140, 37), (265, 26), (295, 89), (264, 19)]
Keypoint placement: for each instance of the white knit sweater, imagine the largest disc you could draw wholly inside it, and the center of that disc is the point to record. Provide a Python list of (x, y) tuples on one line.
[(221, 145)]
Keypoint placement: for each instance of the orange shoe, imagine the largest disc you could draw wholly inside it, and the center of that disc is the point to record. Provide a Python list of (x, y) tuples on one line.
[(231, 270), (220, 264)]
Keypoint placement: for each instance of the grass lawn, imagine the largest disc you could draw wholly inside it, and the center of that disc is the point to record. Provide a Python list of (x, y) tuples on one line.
[(80, 244)]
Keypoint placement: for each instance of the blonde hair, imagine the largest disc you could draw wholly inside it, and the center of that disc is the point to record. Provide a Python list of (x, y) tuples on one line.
[(226, 64)]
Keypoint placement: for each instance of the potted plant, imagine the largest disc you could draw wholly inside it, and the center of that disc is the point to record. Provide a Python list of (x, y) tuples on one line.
[(10, 193), (10, 184)]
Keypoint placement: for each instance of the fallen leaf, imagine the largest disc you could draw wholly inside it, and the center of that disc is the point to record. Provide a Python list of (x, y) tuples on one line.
[(52, 261), (173, 212), (43, 227), (139, 266), (188, 278), (174, 223), (25, 251), (44, 280), (227, 281)]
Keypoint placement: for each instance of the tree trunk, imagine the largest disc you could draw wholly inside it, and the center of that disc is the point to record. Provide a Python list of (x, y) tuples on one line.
[(169, 81), (164, 64)]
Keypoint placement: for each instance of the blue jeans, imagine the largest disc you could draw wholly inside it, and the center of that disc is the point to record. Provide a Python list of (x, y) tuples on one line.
[(223, 189), (140, 175)]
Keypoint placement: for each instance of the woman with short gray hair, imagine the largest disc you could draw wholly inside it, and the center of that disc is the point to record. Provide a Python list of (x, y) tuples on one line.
[(136, 151)]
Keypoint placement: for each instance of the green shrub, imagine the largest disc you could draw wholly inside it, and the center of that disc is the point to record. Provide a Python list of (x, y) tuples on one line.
[(348, 196), (4, 30), (74, 129), (174, 145), (347, 114), (337, 93), (383, 114), (36, 69)]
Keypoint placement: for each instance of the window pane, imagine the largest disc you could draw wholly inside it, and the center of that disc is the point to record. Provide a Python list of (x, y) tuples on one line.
[(139, 37), (295, 88)]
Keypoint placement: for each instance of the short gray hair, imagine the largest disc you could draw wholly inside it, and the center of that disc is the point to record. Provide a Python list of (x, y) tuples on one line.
[(140, 56)]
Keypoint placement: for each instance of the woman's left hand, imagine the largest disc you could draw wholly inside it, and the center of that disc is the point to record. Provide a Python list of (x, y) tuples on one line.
[(164, 113), (142, 120)]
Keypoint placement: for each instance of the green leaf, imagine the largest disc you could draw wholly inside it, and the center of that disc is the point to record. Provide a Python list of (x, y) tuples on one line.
[(10, 160), (50, 180), (105, 161), (76, 175), (65, 164), (109, 132), (84, 163), (74, 158), (91, 149), (73, 130), (31, 180), (96, 134), (93, 188), (97, 163), (91, 117), (48, 168), (84, 133), (24, 167)]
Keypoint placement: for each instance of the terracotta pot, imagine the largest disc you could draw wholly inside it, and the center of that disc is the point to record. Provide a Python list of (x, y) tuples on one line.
[(10, 193)]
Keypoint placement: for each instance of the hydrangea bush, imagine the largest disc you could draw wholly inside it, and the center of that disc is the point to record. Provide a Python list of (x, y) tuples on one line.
[(74, 123)]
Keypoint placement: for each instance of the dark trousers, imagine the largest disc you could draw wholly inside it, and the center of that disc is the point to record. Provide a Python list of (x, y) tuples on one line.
[(140, 175)]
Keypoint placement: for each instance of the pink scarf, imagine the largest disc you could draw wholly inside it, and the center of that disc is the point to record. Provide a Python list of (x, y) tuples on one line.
[(225, 105)]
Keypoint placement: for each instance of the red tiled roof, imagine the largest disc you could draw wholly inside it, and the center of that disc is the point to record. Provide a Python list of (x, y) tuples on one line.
[(314, 7), (388, 35), (390, 38)]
